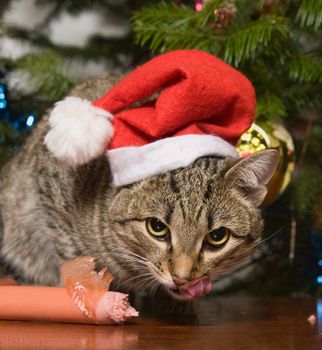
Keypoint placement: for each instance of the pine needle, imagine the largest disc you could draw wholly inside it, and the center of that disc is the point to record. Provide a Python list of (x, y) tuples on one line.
[(244, 41), (46, 71), (310, 13)]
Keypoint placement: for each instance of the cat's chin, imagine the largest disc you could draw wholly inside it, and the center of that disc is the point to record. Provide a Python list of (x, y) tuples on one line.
[(175, 293)]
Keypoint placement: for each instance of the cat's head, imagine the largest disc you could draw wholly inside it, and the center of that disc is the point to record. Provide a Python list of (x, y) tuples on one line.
[(191, 224)]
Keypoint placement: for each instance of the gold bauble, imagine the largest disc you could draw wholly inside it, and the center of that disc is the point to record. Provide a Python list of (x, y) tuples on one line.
[(262, 135)]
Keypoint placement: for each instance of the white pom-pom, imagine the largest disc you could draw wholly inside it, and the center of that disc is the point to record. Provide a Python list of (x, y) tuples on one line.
[(79, 131)]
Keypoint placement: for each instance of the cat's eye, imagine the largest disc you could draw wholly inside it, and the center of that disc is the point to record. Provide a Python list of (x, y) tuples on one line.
[(157, 228), (217, 238)]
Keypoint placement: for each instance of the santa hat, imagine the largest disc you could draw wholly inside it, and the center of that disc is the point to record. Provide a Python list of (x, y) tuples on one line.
[(199, 106)]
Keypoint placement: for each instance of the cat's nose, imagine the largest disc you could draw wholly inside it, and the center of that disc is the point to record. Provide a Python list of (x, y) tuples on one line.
[(179, 281)]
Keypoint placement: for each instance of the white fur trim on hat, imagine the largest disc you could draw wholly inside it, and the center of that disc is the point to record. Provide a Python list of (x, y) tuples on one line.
[(132, 164), (79, 131)]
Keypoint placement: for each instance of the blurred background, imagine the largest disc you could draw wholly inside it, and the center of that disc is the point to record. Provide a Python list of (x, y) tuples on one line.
[(48, 46)]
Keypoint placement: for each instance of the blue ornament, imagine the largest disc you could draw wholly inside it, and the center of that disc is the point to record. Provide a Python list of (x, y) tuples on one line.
[(25, 122), (19, 123), (316, 239), (4, 112)]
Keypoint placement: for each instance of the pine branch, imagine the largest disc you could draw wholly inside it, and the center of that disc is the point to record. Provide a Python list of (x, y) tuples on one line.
[(163, 13), (207, 15), (305, 146), (7, 134), (47, 74), (306, 189), (307, 185), (305, 68), (162, 25), (6, 152), (162, 39), (310, 13), (167, 27), (7, 64), (8, 139), (243, 41), (299, 97), (315, 152), (270, 107)]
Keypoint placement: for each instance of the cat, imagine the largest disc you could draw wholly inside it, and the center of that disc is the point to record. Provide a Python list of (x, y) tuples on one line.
[(161, 232)]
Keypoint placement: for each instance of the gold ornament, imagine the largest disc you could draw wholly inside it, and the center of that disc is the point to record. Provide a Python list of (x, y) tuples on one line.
[(264, 135)]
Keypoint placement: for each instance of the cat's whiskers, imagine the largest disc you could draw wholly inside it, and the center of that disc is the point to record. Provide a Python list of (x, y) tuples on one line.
[(155, 283), (135, 261), (153, 280), (156, 286), (149, 280), (132, 264), (136, 265), (135, 277), (130, 258), (269, 237), (130, 261), (139, 281), (120, 248), (220, 274), (128, 255)]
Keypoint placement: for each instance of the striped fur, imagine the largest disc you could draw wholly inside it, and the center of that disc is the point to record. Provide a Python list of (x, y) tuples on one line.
[(52, 212)]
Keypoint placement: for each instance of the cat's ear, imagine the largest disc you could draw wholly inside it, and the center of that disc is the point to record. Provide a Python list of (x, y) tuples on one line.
[(253, 173)]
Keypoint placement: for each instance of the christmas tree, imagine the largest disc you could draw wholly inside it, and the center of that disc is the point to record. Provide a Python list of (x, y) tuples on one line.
[(277, 45)]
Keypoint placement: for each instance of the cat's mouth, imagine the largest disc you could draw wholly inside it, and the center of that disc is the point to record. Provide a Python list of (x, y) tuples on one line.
[(193, 289)]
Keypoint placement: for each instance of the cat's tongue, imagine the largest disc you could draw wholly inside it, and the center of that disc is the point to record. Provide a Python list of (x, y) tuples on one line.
[(197, 288)]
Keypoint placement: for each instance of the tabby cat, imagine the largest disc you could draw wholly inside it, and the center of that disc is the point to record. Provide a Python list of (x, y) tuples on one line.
[(161, 232)]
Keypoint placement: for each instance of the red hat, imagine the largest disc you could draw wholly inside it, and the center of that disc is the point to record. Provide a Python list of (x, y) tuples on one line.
[(201, 107)]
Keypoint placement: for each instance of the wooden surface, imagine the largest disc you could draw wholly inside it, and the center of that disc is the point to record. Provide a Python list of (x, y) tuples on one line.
[(221, 323)]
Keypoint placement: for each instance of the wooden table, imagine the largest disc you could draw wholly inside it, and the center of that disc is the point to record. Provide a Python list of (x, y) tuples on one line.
[(221, 323)]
